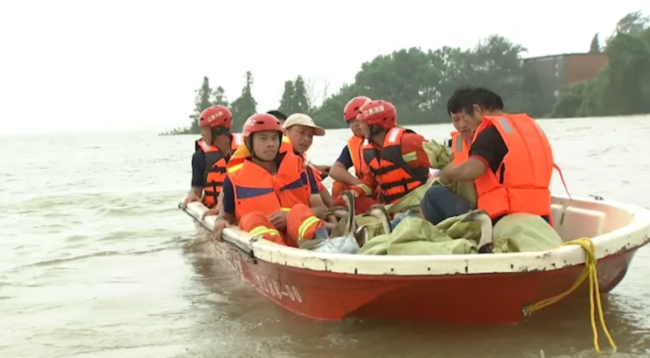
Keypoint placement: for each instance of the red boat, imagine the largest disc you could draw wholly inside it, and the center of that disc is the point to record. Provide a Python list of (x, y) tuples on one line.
[(464, 289)]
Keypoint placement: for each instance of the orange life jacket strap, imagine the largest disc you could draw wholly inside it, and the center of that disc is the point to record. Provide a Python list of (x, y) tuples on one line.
[(563, 182)]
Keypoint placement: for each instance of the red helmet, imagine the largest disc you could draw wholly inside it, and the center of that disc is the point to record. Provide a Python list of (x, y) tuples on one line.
[(380, 113), (351, 109), (261, 122), (216, 116)]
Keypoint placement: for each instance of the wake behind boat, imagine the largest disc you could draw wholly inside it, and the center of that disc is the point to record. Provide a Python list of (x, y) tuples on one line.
[(441, 288)]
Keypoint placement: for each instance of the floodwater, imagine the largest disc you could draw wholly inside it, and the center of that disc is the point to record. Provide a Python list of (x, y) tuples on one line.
[(97, 261)]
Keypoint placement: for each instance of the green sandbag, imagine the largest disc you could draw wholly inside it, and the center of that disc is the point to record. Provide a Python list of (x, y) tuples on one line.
[(410, 201), (439, 154), (524, 233), (371, 223), (415, 236)]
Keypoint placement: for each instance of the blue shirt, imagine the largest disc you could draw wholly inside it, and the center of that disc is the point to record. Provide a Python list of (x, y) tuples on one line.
[(345, 158), (198, 169), (229, 192)]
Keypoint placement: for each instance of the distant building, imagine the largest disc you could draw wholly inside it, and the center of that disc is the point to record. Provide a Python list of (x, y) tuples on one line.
[(558, 72)]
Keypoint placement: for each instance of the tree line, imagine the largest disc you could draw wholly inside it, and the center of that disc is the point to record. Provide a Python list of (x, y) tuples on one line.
[(419, 82), (622, 87)]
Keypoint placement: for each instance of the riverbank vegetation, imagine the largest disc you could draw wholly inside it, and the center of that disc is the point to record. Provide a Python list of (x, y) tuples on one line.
[(419, 82), (622, 87)]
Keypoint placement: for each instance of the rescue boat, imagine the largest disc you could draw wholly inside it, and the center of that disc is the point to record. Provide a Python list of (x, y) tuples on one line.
[(484, 289)]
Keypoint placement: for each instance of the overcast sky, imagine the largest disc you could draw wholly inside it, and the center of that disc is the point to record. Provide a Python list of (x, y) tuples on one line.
[(134, 65)]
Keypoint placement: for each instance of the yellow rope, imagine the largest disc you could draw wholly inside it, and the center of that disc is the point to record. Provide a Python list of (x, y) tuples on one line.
[(591, 272)]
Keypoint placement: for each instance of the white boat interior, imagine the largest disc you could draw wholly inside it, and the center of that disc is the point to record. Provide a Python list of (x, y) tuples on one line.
[(613, 227)]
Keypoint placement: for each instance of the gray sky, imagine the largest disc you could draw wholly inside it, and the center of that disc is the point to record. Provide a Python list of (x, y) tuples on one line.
[(72, 66)]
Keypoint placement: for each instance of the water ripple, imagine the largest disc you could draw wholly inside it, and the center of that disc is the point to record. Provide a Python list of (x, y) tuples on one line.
[(96, 261)]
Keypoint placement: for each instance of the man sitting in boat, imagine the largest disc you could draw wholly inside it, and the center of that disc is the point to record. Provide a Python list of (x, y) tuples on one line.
[(352, 156), (269, 194), (242, 152), (211, 156), (440, 202), (510, 161), (321, 170), (301, 129), (395, 156)]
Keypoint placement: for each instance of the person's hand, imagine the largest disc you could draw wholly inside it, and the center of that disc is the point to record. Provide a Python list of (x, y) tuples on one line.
[(279, 220), (331, 218), (443, 176), (354, 190), (190, 198), (213, 211), (357, 192), (217, 230), (329, 226)]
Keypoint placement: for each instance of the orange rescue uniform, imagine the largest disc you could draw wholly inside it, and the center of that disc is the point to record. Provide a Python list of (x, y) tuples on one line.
[(258, 194), (317, 177), (215, 169), (398, 168), (460, 148), (355, 148), (521, 185)]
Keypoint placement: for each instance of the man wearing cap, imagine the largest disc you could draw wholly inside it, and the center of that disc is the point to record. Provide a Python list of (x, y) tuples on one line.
[(301, 129)]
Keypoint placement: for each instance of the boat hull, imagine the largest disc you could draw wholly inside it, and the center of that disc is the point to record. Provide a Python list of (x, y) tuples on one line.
[(463, 289), (481, 299)]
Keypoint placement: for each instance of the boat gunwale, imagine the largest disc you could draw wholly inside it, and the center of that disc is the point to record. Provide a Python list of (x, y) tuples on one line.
[(630, 237)]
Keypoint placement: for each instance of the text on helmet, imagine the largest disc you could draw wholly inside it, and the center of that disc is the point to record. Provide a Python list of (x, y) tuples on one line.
[(371, 111), (215, 116)]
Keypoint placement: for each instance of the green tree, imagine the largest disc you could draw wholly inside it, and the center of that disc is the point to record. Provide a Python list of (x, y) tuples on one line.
[(629, 73), (632, 23), (498, 65), (201, 102), (623, 86), (419, 82), (303, 104), (245, 105), (330, 114), (219, 97), (569, 102), (592, 95), (286, 102), (532, 99), (401, 78), (595, 44), (294, 98)]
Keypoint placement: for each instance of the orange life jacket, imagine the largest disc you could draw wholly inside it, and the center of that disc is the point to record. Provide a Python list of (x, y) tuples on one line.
[(215, 169), (393, 174), (286, 145), (460, 148), (521, 184), (355, 147), (256, 190)]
